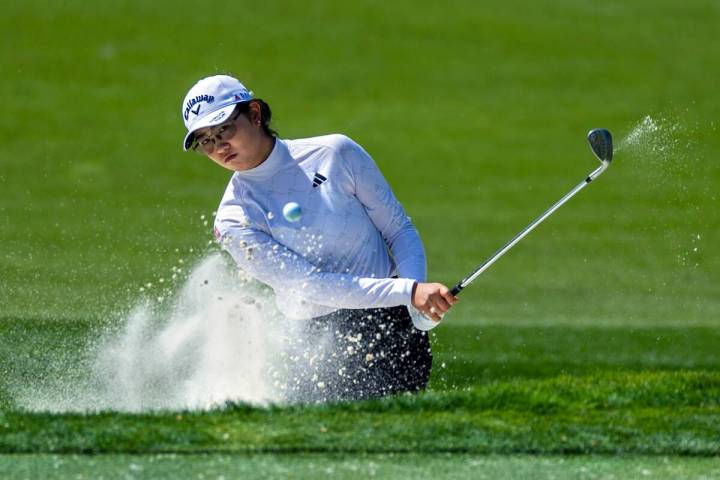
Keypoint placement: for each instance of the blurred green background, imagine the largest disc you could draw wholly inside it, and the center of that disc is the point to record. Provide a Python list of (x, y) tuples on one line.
[(477, 115)]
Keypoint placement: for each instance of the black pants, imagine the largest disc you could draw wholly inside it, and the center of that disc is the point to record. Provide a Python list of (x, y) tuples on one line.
[(360, 354)]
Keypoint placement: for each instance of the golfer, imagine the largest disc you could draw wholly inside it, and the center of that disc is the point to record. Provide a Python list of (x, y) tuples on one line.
[(348, 262)]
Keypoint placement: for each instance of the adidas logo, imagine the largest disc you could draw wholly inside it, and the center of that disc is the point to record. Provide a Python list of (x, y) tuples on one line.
[(318, 180)]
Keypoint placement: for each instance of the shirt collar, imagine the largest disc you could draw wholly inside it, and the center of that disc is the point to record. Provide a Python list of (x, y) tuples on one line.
[(279, 158)]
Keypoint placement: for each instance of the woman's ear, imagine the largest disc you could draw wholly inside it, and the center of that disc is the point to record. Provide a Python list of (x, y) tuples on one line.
[(255, 113)]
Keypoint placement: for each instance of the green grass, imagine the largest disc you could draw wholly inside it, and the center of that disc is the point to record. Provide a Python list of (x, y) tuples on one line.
[(390, 466), (661, 413), (43, 351), (597, 334), (311, 466)]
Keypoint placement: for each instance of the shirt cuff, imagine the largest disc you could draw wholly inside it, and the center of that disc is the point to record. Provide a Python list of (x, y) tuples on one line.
[(403, 288), (420, 321)]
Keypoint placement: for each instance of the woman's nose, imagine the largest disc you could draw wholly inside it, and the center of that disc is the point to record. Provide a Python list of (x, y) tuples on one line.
[(221, 145)]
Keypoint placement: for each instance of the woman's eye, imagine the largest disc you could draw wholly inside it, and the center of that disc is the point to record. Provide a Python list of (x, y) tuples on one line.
[(223, 129), (204, 141)]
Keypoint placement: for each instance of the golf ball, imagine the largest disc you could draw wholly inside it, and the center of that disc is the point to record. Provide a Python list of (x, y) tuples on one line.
[(292, 212)]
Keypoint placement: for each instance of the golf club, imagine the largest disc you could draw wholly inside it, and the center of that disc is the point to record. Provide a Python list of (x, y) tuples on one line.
[(600, 141)]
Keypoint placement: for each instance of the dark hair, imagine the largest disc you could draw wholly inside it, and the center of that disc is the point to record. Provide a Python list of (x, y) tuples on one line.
[(265, 114)]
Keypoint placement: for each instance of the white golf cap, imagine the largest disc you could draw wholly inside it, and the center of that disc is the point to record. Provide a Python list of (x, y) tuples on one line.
[(210, 102)]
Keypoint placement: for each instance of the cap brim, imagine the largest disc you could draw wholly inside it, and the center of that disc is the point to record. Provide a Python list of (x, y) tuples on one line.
[(213, 118)]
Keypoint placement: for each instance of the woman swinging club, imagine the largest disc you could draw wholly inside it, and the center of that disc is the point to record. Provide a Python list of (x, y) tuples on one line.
[(347, 269)]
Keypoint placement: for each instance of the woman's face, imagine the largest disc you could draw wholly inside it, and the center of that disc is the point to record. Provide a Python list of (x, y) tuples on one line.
[(247, 148)]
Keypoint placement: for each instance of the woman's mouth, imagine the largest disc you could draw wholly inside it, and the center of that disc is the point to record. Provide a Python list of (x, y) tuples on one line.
[(229, 157)]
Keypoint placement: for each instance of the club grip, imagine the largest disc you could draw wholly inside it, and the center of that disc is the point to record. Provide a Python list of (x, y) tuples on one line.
[(456, 289)]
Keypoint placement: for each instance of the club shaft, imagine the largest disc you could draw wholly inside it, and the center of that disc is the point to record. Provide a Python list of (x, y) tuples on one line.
[(499, 253)]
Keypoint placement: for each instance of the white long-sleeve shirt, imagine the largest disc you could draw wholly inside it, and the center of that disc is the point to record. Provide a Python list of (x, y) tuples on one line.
[(353, 234)]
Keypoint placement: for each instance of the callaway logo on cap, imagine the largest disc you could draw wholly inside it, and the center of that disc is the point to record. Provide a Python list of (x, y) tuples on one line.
[(210, 101)]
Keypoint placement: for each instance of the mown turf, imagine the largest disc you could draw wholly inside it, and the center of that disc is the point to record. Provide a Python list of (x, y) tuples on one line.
[(45, 353), (643, 413), (382, 466)]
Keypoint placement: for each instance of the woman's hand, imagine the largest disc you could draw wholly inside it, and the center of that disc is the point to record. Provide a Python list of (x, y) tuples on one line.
[(433, 299)]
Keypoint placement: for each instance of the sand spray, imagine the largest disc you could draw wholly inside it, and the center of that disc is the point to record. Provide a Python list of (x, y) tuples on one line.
[(219, 339)]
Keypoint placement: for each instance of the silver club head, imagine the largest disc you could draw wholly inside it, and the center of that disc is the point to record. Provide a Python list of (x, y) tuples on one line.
[(601, 143)]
